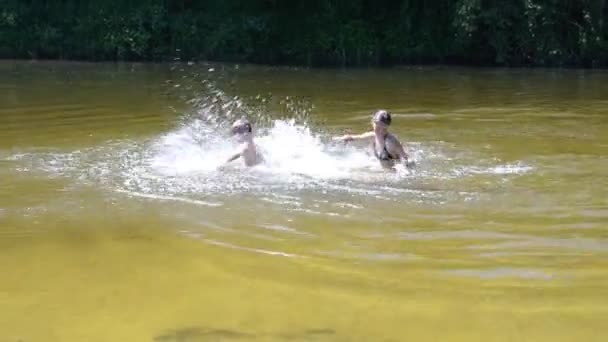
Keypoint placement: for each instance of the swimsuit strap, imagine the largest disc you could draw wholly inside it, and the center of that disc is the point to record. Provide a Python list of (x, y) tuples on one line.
[(384, 155)]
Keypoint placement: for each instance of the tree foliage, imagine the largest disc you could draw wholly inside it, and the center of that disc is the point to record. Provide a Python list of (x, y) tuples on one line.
[(312, 32)]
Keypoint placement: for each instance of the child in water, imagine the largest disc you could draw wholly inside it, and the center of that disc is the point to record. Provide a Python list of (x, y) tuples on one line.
[(387, 148), (247, 148)]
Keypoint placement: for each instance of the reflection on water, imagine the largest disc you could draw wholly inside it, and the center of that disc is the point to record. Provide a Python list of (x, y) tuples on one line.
[(111, 199)]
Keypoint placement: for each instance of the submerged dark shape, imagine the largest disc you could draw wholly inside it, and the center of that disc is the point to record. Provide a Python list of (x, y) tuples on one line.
[(196, 334)]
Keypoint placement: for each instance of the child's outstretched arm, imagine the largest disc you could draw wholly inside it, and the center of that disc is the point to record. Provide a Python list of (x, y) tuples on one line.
[(351, 137)]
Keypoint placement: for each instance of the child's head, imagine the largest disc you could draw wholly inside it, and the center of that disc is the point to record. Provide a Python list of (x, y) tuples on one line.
[(381, 120), (241, 126)]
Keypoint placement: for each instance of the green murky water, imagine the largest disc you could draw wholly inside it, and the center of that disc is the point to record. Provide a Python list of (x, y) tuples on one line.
[(116, 226)]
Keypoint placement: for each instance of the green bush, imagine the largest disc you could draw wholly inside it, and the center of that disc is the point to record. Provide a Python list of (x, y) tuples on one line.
[(314, 32)]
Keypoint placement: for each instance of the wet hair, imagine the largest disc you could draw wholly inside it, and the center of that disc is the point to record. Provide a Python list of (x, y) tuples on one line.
[(382, 116), (241, 126)]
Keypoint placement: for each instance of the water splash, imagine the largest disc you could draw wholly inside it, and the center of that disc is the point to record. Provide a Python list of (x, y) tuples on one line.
[(304, 173), (301, 161), (298, 159)]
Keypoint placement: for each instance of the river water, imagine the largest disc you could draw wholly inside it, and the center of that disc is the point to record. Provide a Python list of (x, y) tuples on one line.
[(117, 225)]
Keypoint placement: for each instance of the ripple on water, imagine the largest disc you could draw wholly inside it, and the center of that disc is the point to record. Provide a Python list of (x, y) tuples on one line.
[(170, 198), (370, 256), (459, 234), (503, 272), (250, 249), (285, 229), (580, 244)]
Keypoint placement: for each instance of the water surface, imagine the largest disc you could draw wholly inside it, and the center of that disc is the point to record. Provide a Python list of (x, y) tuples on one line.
[(115, 223)]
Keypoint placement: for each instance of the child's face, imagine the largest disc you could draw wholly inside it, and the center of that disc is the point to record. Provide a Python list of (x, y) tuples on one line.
[(379, 127)]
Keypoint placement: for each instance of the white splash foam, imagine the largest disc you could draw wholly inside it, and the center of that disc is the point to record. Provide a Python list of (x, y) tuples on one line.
[(300, 165)]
